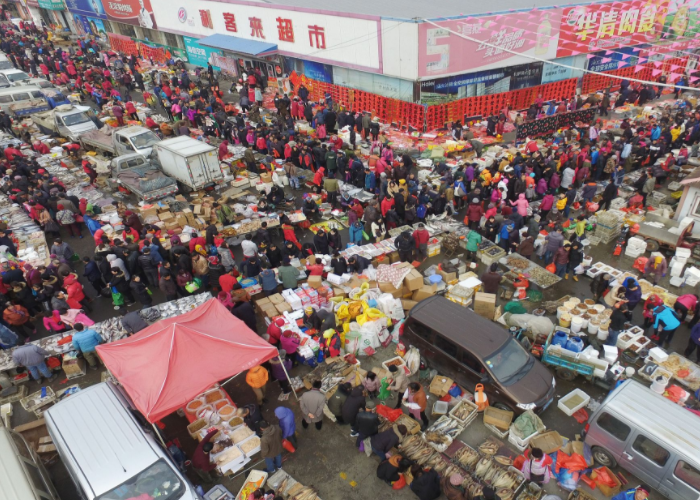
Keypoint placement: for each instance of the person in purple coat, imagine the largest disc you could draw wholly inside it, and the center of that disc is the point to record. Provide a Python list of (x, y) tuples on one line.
[(279, 365), (287, 424)]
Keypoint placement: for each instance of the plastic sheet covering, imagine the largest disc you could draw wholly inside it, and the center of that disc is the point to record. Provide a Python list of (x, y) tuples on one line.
[(146, 178), (539, 325)]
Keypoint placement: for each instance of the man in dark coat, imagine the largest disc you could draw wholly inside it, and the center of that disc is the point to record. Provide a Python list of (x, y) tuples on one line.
[(244, 311), (352, 406)]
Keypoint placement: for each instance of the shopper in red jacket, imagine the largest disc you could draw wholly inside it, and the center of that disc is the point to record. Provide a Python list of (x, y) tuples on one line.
[(200, 459), (474, 214), (421, 236)]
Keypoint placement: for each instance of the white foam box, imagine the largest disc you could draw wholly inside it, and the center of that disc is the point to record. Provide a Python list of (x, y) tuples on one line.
[(658, 354), (676, 268), (694, 272), (682, 253)]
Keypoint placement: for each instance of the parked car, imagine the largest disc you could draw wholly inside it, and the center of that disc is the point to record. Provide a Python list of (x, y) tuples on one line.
[(107, 452), (650, 437), (473, 350)]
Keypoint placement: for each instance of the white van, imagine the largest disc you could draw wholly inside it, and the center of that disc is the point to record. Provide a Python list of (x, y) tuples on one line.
[(650, 437), (106, 451), (13, 95), (22, 475), (16, 77)]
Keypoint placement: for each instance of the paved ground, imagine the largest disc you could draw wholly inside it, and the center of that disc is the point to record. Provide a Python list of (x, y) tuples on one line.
[(327, 459)]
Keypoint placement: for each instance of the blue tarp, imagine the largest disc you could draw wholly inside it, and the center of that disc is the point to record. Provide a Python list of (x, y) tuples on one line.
[(239, 45)]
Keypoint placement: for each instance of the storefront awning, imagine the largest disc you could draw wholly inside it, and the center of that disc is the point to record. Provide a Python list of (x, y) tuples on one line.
[(239, 45)]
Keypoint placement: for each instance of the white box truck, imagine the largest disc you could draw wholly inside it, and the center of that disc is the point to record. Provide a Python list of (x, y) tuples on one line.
[(193, 163)]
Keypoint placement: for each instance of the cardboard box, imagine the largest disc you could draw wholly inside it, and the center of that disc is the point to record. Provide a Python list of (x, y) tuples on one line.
[(165, 216), (283, 307), (408, 304), (339, 292), (270, 310), (424, 292), (149, 212), (276, 298), (413, 280), (447, 277), (46, 448), (394, 257), (315, 281), (485, 304), (500, 419), (75, 366), (440, 385), (387, 287), (263, 301), (607, 490), (548, 442)]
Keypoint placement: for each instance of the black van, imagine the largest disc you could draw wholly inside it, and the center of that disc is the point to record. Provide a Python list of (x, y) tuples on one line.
[(473, 350)]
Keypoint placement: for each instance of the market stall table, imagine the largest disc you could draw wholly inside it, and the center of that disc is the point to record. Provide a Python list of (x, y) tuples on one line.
[(535, 273)]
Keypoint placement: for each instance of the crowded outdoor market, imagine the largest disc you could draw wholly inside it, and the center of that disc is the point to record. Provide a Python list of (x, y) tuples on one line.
[(237, 269)]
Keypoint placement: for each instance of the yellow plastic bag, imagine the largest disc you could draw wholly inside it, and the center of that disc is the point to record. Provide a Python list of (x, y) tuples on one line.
[(369, 314), (355, 309), (343, 313), (358, 294)]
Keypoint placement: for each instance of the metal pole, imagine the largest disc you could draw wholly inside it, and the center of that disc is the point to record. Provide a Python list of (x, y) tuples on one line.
[(157, 431), (288, 379)]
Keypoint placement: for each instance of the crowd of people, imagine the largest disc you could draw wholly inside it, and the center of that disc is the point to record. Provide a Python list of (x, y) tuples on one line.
[(494, 201)]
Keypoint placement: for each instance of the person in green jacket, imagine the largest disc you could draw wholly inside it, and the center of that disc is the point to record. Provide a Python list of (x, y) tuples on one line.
[(288, 274), (331, 162), (473, 240), (224, 213)]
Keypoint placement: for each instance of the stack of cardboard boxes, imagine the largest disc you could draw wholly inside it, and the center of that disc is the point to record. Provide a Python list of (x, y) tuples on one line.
[(198, 218), (413, 289)]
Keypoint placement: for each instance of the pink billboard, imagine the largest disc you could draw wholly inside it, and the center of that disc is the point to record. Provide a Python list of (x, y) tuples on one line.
[(533, 33)]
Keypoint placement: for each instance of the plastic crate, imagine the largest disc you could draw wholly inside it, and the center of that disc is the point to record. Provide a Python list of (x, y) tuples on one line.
[(440, 408), (520, 444), (255, 476), (50, 397), (571, 411), (498, 432), (472, 415)]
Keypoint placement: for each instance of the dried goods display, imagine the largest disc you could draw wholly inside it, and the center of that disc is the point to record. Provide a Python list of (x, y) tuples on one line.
[(250, 445), (241, 434), (467, 457), (514, 262), (228, 455)]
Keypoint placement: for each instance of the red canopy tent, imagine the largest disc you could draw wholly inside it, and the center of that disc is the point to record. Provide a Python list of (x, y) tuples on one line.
[(166, 365)]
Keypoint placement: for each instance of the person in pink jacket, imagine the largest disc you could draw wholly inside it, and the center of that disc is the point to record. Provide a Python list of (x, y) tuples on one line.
[(686, 303), (546, 204), (521, 204)]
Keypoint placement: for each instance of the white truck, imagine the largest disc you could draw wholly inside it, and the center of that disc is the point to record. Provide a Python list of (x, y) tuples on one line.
[(66, 120), (193, 163), (142, 177), (120, 141)]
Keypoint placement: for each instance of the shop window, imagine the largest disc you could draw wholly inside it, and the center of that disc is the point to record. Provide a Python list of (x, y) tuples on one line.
[(171, 40), (613, 426), (127, 30), (651, 450)]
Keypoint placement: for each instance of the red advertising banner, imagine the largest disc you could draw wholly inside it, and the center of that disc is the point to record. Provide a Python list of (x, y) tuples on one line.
[(590, 28), (136, 12), (490, 43)]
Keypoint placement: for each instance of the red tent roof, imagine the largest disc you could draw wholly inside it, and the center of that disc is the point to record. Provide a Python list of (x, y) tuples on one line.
[(166, 365)]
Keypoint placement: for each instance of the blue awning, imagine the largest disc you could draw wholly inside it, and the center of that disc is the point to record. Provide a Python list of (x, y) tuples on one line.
[(239, 45)]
